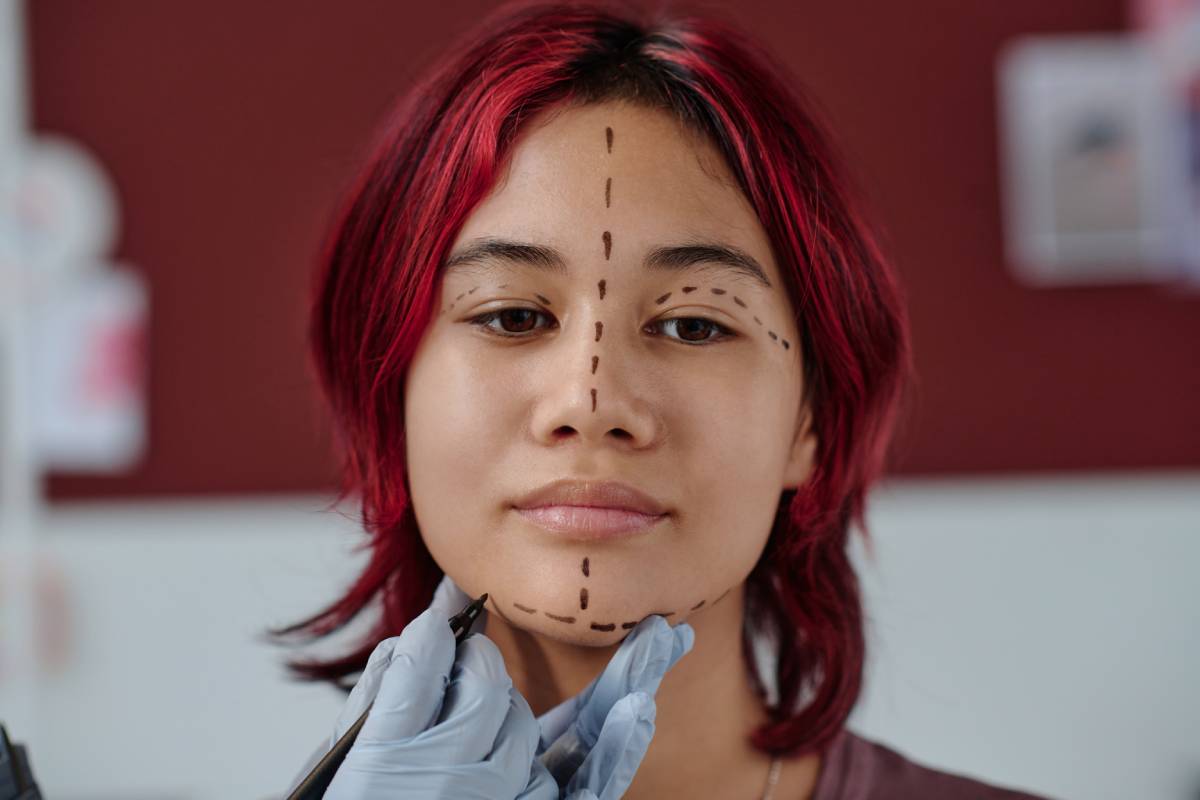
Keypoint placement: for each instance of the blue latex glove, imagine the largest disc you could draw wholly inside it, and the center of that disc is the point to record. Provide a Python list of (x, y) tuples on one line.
[(446, 723), (594, 742)]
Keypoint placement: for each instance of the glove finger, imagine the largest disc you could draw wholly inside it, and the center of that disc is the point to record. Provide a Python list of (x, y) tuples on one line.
[(414, 683), (610, 766), (685, 639), (476, 704), (364, 691), (554, 723), (513, 751)]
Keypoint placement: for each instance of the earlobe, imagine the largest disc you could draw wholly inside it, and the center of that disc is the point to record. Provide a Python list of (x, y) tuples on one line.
[(803, 455)]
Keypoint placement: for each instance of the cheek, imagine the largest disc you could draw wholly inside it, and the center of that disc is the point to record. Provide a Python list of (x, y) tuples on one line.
[(451, 436), (734, 471)]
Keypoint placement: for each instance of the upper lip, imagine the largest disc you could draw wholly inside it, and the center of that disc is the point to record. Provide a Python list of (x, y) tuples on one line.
[(597, 494)]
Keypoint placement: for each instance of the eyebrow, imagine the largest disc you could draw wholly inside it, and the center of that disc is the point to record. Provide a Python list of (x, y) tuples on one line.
[(727, 259)]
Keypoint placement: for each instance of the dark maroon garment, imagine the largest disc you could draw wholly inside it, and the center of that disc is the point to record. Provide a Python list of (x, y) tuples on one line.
[(855, 768)]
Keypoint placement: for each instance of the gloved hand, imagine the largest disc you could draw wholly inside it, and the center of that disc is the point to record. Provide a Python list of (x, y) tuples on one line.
[(594, 742), (446, 723)]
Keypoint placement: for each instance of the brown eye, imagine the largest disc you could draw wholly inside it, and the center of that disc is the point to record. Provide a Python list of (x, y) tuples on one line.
[(521, 319), (695, 330), (514, 321)]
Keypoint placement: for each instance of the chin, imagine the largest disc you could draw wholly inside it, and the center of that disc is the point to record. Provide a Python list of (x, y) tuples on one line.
[(591, 627)]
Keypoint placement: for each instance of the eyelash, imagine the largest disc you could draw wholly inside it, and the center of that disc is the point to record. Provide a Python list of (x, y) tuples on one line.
[(482, 321)]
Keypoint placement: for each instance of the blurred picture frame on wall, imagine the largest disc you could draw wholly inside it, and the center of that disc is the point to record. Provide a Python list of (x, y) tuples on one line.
[(1094, 156)]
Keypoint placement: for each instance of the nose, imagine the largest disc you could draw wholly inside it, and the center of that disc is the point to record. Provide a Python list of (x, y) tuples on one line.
[(596, 388)]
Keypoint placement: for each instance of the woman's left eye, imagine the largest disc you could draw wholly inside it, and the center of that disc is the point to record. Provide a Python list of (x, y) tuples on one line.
[(684, 326)]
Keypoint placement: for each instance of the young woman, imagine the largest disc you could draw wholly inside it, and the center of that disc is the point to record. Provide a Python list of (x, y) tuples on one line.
[(606, 337)]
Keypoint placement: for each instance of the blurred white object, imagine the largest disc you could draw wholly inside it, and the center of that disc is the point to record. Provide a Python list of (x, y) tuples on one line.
[(65, 211), (1094, 174), (85, 321), (89, 366)]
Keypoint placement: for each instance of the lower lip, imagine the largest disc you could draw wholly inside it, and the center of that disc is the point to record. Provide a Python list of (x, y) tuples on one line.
[(590, 523)]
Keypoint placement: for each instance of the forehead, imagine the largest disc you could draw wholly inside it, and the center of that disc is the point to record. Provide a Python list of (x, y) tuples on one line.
[(658, 184)]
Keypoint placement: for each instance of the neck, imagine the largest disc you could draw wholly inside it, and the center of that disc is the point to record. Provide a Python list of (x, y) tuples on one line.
[(706, 707)]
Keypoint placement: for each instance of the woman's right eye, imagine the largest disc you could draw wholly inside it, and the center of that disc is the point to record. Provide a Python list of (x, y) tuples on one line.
[(519, 317)]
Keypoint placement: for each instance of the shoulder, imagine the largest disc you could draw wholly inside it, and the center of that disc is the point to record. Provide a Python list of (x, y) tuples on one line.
[(856, 768)]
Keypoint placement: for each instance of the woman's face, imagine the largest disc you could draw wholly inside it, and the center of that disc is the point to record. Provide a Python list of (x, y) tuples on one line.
[(679, 375)]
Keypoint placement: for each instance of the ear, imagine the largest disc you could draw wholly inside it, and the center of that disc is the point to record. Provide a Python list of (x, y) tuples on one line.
[(802, 458)]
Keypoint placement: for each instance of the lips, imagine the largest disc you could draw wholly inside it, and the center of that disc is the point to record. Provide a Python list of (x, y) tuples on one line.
[(592, 494), (591, 510)]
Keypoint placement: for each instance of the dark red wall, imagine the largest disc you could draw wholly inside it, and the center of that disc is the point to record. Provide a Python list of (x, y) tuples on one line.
[(228, 127)]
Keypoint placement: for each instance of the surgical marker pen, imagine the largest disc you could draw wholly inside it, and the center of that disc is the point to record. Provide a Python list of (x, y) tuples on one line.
[(317, 781)]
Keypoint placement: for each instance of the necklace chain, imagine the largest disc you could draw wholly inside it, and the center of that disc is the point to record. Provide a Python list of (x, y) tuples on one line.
[(772, 777)]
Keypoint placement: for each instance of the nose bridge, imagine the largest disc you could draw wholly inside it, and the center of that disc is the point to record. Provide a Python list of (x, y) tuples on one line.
[(596, 392)]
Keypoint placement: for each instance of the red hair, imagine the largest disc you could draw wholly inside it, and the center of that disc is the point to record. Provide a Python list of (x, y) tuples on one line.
[(438, 156)]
